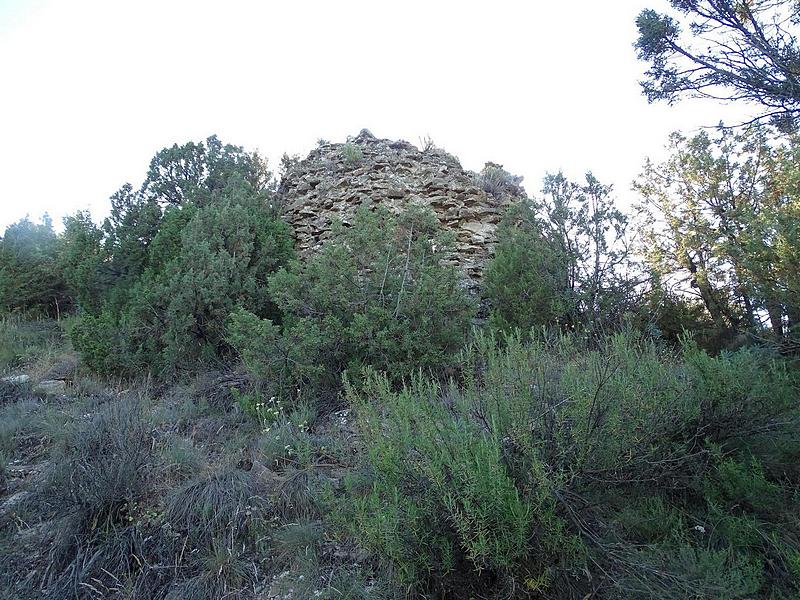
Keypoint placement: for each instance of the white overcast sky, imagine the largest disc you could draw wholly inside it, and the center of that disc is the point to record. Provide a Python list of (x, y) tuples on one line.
[(91, 89)]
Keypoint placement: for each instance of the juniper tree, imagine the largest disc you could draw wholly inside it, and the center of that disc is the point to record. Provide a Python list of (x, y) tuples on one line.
[(743, 50)]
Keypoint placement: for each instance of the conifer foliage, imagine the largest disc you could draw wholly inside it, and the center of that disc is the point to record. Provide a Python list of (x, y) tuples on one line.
[(378, 294), (174, 259)]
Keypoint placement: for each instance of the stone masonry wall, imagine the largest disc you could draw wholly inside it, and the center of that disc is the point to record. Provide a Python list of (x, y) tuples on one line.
[(336, 179)]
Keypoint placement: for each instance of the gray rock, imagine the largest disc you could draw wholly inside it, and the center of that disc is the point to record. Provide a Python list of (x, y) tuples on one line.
[(51, 387), (10, 503), (395, 174)]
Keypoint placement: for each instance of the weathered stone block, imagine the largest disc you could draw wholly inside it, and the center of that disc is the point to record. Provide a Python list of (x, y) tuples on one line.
[(395, 174)]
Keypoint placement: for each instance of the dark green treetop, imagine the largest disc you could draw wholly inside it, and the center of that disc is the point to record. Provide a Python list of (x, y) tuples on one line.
[(744, 50)]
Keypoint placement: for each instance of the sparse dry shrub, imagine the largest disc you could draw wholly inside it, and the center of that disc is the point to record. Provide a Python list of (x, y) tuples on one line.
[(352, 154), (207, 507), (221, 519), (495, 180), (106, 466), (92, 490)]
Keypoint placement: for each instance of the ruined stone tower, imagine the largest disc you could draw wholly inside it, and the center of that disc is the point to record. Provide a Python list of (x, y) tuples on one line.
[(336, 179)]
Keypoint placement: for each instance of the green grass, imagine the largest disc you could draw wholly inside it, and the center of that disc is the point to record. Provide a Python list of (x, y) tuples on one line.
[(23, 341)]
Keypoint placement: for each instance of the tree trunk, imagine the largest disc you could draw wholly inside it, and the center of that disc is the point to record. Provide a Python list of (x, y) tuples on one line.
[(793, 328), (775, 312), (700, 281)]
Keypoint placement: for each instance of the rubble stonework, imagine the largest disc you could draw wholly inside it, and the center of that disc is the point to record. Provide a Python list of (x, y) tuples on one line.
[(336, 179)]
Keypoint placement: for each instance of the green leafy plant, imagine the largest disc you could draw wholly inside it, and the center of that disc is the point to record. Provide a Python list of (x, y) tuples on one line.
[(377, 294), (352, 153), (169, 277), (549, 460), (526, 280), (30, 280)]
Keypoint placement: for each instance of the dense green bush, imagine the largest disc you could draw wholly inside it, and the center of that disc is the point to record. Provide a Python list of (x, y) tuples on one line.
[(439, 505), (557, 470), (227, 251), (30, 281), (81, 261), (563, 260), (175, 259), (377, 294), (526, 281), (98, 340)]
